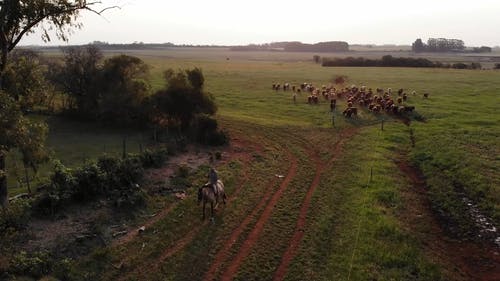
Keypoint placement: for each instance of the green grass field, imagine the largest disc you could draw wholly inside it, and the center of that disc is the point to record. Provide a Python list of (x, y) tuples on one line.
[(353, 228)]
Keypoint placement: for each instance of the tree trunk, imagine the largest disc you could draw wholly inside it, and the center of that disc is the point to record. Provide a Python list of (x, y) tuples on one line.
[(4, 199), (3, 56), (27, 178)]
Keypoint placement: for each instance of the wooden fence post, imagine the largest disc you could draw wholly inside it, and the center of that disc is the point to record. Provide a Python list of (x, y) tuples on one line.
[(124, 148)]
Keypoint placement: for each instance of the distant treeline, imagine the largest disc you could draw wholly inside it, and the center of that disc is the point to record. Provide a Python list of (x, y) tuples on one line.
[(390, 61), (295, 46), (130, 46), (446, 45), (141, 45)]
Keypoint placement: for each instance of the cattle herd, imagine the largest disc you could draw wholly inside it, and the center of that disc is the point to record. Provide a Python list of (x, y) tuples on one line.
[(378, 101)]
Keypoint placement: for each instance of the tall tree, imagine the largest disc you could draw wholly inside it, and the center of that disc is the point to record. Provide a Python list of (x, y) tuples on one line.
[(183, 98), (17, 19), (78, 78), (124, 86), (418, 46)]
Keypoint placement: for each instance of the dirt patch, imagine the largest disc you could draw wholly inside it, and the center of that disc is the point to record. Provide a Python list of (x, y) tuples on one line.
[(71, 233), (196, 156), (459, 259), (159, 178)]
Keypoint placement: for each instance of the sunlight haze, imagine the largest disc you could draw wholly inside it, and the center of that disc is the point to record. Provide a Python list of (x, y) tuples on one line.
[(225, 22)]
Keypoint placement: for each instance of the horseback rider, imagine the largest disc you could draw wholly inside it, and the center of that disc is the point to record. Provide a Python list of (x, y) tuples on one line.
[(213, 177)]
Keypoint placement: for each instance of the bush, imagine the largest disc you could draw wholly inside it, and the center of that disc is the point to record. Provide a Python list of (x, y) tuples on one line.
[(218, 138), (204, 130), (218, 155), (111, 177), (459, 65), (16, 215), (128, 196), (131, 170), (110, 166), (36, 265), (89, 182), (203, 125), (183, 171), (153, 159), (63, 269), (57, 192)]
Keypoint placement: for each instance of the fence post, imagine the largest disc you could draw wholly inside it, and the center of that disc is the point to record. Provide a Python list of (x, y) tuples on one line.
[(27, 178), (382, 127), (124, 148)]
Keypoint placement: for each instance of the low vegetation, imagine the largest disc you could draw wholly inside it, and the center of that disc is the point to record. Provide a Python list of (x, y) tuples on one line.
[(390, 61), (109, 178)]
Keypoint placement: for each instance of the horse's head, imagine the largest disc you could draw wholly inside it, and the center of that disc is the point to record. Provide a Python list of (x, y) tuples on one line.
[(200, 192)]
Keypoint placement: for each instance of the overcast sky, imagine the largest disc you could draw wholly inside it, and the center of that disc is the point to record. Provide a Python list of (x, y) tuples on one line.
[(233, 22)]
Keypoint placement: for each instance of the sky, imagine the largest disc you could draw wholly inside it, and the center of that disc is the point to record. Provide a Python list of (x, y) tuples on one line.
[(233, 22)]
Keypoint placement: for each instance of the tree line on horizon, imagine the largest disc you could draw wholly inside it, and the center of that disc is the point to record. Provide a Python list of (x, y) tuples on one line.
[(296, 46), (445, 45)]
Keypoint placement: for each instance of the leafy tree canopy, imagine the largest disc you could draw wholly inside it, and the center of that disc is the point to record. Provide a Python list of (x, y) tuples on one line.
[(24, 79), (183, 98)]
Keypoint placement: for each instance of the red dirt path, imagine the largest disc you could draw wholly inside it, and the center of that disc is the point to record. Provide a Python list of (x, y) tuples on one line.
[(259, 226), (299, 228), (223, 253), (291, 251)]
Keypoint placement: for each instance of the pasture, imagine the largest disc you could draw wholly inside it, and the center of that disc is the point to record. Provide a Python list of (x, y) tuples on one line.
[(312, 200)]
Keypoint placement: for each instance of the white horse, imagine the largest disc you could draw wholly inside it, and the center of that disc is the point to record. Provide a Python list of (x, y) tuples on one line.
[(206, 194)]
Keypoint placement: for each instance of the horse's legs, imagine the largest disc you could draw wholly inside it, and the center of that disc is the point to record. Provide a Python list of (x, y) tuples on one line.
[(204, 209), (212, 208)]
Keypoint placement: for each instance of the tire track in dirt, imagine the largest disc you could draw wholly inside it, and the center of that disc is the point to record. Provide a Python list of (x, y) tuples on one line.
[(462, 260), (298, 234), (259, 226), (223, 253)]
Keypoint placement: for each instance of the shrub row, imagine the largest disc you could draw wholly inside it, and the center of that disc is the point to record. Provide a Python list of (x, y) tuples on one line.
[(39, 264), (109, 177), (390, 61)]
